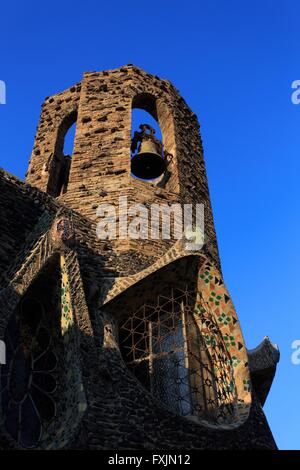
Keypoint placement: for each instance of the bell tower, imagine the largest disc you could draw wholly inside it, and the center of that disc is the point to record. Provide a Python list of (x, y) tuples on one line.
[(142, 344), (100, 169)]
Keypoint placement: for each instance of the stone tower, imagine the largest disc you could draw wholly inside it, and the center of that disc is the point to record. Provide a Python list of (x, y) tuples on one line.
[(129, 342)]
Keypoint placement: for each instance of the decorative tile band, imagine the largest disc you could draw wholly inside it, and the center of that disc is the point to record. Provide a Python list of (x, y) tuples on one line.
[(75, 400), (213, 294)]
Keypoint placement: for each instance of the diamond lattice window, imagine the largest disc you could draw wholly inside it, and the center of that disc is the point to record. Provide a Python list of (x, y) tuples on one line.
[(175, 349)]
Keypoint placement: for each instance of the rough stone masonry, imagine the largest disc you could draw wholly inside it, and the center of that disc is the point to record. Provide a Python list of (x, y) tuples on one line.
[(119, 344)]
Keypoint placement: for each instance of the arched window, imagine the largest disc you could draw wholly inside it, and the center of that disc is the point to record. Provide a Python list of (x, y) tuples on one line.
[(40, 384), (152, 147), (140, 116), (28, 380), (61, 163), (69, 140), (167, 349)]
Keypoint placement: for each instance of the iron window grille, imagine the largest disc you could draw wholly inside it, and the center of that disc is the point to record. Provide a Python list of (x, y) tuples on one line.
[(176, 350)]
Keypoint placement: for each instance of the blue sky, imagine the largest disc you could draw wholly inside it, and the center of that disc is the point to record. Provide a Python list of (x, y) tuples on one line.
[(234, 63)]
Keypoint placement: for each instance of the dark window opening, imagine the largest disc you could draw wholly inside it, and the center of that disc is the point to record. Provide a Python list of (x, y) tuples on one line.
[(28, 379), (40, 384), (190, 372), (61, 166), (64, 175)]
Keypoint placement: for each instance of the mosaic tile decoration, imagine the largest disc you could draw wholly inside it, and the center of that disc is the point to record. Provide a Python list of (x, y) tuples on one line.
[(213, 297), (176, 253), (75, 403), (177, 352), (218, 322)]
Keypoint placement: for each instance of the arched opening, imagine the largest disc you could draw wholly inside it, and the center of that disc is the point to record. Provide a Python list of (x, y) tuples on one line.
[(61, 163), (28, 381), (140, 116), (150, 155), (39, 382), (150, 315), (165, 347), (29, 377), (69, 140)]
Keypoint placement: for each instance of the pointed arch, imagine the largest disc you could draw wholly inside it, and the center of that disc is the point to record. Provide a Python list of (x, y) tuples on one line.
[(43, 329), (203, 338)]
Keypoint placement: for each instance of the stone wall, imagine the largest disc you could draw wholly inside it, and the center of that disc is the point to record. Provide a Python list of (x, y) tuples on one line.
[(106, 279), (21, 207), (100, 169)]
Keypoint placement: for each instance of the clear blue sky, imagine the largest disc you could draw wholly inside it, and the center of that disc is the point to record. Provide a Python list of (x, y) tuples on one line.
[(234, 62)]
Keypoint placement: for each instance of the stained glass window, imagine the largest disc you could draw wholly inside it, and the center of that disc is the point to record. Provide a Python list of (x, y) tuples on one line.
[(28, 380)]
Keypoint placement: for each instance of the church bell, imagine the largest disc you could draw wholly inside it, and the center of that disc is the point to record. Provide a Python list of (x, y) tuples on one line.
[(148, 163)]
